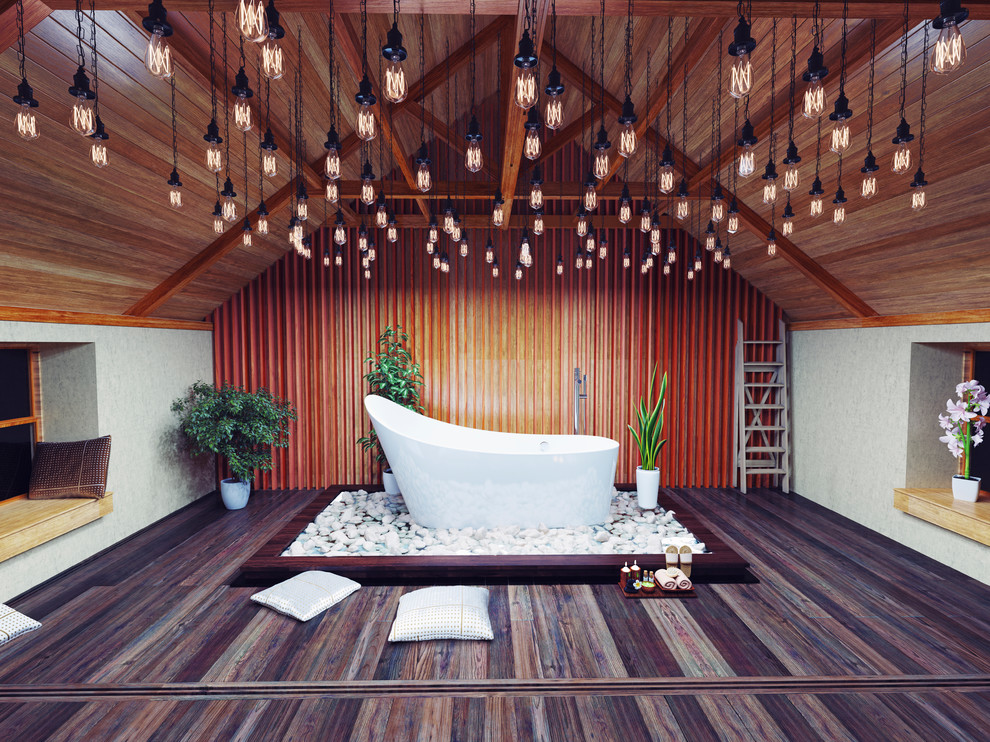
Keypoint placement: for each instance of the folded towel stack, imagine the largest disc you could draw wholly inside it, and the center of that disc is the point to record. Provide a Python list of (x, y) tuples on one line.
[(681, 580)]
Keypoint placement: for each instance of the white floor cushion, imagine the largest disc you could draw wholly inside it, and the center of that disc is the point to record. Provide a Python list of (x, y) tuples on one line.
[(454, 612), (14, 623), (307, 594)]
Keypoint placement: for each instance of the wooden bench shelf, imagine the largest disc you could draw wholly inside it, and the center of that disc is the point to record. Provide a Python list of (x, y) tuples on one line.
[(969, 519), (26, 523)]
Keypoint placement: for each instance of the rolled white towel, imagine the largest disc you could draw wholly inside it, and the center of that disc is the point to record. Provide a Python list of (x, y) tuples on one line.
[(664, 581), (681, 580)]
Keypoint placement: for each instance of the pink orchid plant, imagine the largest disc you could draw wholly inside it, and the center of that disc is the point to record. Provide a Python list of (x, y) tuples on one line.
[(962, 421)]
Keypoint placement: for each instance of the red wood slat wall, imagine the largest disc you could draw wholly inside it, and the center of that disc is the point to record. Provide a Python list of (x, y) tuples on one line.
[(496, 353)]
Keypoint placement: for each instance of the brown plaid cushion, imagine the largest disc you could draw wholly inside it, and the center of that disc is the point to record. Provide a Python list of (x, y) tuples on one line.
[(71, 469)]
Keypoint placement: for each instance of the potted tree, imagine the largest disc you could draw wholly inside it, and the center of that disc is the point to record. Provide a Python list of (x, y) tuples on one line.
[(238, 425), (963, 425), (392, 375), (650, 418)]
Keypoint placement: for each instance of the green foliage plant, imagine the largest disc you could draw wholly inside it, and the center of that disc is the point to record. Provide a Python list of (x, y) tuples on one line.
[(650, 417), (238, 425), (394, 376)]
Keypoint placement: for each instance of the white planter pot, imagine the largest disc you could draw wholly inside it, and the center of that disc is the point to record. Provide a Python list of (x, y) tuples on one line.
[(234, 493), (647, 487), (390, 483), (967, 490)]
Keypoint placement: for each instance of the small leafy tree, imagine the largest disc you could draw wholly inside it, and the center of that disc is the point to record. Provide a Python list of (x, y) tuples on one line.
[(393, 375), (238, 425), (650, 424)]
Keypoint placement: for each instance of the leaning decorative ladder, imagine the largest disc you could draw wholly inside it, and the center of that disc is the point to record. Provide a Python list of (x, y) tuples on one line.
[(761, 432)]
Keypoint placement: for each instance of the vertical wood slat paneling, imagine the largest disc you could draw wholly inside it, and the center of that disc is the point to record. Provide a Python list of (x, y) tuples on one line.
[(496, 353)]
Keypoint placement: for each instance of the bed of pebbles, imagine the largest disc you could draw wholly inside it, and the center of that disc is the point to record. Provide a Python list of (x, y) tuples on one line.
[(375, 524)]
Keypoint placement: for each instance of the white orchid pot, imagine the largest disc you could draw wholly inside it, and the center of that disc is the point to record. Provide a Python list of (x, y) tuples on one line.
[(647, 487), (234, 493), (390, 483), (966, 489)]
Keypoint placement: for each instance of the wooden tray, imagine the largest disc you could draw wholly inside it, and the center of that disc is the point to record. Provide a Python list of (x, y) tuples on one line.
[(659, 594)]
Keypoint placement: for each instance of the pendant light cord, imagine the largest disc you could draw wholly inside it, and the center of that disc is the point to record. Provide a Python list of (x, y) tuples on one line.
[(422, 79), (331, 65), (904, 57), (213, 63), (873, 59), (96, 73), (790, 111), (629, 41), (687, 72), (226, 98), (670, 43), (20, 38), (80, 52), (845, 30), (924, 101), (601, 62), (175, 141), (473, 60), (364, 38), (718, 115), (773, 92)]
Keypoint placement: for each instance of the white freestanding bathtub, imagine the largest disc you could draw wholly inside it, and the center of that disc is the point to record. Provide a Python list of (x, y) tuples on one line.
[(457, 477)]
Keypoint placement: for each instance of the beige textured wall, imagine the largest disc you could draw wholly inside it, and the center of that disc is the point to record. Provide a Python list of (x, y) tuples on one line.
[(851, 406), (137, 373)]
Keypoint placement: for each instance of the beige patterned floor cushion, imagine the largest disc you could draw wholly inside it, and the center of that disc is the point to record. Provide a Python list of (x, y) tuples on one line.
[(454, 612), (70, 469), (307, 594), (13, 624)]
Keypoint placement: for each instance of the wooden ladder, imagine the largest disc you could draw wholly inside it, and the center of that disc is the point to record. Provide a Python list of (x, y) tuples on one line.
[(760, 436)]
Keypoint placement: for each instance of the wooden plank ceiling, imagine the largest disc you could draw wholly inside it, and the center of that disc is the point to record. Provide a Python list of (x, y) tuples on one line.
[(80, 239)]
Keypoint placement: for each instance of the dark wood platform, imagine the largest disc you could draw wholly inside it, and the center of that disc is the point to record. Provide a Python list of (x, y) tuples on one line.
[(267, 566)]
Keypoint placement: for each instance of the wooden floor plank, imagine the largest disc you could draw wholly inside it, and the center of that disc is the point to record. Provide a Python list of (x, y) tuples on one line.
[(836, 604)]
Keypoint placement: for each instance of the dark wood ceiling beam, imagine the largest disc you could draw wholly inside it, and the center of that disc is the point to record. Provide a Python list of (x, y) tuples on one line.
[(513, 117), (350, 47), (859, 56), (206, 258), (979, 9), (34, 13)]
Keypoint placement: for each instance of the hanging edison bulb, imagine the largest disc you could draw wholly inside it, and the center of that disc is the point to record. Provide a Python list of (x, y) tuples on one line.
[(839, 212), (158, 56), (718, 204), (98, 150), (732, 223), (473, 158), (788, 227), (495, 268), (298, 232), (949, 52), (395, 88), (525, 61), (26, 122), (683, 208), (918, 198), (587, 262), (717, 252), (262, 218), (792, 178), (175, 192), (332, 192), (815, 99), (252, 21), (214, 155), (747, 158), (456, 232), (489, 251), (697, 262), (392, 230), (901, 162), (590, 197), (644, 216), (727, 258), (868, 188), (242, 109), (841, 135), (269, 162), (816, 192), (448, 219), (362, 238), (602, 145), (338, 257), (83, 114), (218, 224), (560, 265), (710, 236), (538, 222), (302, 203), (741, 72), (372, 253), (227, 204), (367, 184), (424, 180), (339, 230), (536, 189), (602, 244), (644, 266), (272, 63), (331, 165), (518, 272), (246, 233), (430, 247), (625, 205), (433, 233), (666, 182), (532, 146), (582, 221), (578, 259), (498, 212), (626, 259), (554, 114), (436, 261), (627, 135), (366, 129), (381, 213), (655, 230), (462, 247), (589, 240), (770, 184), (525, 255)]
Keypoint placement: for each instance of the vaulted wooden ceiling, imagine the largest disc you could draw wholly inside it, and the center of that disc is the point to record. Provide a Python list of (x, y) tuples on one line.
[(82, 239)]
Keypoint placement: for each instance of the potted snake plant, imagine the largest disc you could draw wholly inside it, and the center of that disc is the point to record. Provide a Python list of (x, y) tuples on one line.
[(392, 375), (650, 421)]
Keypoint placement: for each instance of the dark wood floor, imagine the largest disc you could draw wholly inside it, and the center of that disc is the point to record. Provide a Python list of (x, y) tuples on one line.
[(847, 636)]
